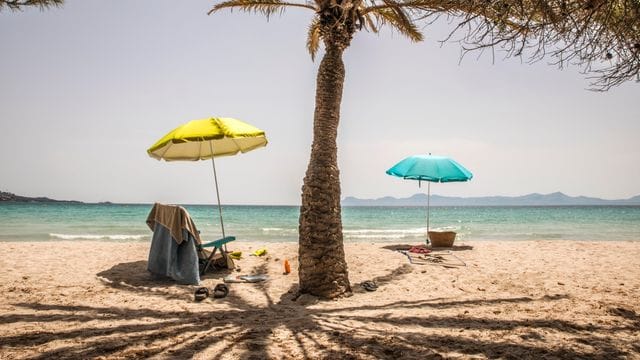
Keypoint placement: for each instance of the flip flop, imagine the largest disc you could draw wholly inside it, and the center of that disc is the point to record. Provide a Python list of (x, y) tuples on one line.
[(220, 291), (254, 278), (369, 285), (259, 252), (232, 279), (201, 293)]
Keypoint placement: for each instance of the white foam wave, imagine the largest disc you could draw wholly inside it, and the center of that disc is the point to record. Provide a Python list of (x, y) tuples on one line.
[(369, 233), (278, 230), (374, 236), (96, 237), (446, 228), (386, 231)]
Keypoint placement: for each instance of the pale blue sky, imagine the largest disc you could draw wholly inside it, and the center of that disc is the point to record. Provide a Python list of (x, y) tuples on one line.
[(86, 89)]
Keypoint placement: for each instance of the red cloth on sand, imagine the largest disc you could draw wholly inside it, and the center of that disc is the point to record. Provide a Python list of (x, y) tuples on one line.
[(419, 250)]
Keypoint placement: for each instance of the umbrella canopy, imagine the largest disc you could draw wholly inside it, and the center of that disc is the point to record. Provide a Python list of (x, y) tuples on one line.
[(207, 139), (430, 168), (199, 139)]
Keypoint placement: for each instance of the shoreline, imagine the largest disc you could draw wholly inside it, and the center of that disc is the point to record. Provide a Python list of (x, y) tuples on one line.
[(513, 299), (458, 242), (349, 206), (278, 224)]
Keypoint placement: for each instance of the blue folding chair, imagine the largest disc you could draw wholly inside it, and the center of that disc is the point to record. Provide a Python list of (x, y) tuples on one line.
[(207, 259)]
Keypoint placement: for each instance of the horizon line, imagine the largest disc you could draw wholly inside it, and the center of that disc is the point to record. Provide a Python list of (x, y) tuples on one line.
[(297, 204)]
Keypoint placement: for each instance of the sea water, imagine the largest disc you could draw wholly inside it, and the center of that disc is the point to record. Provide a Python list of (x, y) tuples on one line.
[(126, 222)]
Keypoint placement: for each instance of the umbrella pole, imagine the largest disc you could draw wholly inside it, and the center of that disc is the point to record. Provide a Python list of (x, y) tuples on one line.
[(215, 178), (428, 205)]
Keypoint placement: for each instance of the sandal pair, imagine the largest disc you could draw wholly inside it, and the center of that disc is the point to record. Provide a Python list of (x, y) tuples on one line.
[(369, 285), (201, 293), (219, 291)]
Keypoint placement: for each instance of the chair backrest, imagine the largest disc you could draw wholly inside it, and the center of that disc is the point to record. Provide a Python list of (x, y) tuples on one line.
[(175, 218)]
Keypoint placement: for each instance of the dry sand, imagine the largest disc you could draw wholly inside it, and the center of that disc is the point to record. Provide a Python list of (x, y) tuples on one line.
[(512, 300)]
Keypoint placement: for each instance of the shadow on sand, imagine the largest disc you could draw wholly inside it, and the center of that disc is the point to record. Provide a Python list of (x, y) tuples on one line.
[(134, 277), (295, 331), (404, 247)]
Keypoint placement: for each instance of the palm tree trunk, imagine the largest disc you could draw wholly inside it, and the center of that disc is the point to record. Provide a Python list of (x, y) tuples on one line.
[(322, 267)]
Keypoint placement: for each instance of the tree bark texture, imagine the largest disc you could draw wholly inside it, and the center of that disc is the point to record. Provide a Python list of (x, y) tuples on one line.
[(322, 265)]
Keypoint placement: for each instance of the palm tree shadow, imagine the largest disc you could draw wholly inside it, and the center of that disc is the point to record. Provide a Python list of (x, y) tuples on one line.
[(240, 329), (394, 275)]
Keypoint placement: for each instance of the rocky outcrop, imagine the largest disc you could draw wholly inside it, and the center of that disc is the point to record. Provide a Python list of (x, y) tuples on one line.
[(10, 197)]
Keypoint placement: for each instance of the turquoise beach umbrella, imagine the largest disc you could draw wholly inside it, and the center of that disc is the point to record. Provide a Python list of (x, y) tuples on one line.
[(430, 168)]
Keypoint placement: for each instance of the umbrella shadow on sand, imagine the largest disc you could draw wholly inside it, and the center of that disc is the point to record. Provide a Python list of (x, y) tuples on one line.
[(134, 277), (405, 247)]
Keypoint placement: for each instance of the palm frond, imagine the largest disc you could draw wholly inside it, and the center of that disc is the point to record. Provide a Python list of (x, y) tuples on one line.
[(369, 24), (420, 5), (16, 5), (264, 7), (313, 37), (395, 15)]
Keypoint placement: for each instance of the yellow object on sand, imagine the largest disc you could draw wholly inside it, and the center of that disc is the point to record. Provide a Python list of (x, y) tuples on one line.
[(236, 255), (259, 252)]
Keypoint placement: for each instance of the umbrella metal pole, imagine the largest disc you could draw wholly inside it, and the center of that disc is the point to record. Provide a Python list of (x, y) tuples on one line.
[(428, 204), (215, 178)]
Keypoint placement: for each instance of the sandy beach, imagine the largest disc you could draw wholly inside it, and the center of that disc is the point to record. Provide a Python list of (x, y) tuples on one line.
[(512, 300)]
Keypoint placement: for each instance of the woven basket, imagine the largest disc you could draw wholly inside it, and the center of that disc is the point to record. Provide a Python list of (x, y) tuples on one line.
[(442, 238)]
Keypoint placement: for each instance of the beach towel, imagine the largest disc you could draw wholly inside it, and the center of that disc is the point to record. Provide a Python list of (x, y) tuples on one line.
[(167, 258)]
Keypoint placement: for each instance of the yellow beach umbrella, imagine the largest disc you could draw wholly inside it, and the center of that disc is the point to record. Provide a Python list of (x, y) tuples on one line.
[(199, 139), (207, 139)]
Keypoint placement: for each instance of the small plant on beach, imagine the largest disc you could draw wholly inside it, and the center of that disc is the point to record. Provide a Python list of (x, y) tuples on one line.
[(600, 36)]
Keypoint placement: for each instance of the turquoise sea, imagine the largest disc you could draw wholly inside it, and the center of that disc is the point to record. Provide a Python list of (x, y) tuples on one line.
[(126, 222)]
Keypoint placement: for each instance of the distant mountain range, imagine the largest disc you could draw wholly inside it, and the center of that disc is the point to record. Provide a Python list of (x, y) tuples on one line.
[(554, 199)]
